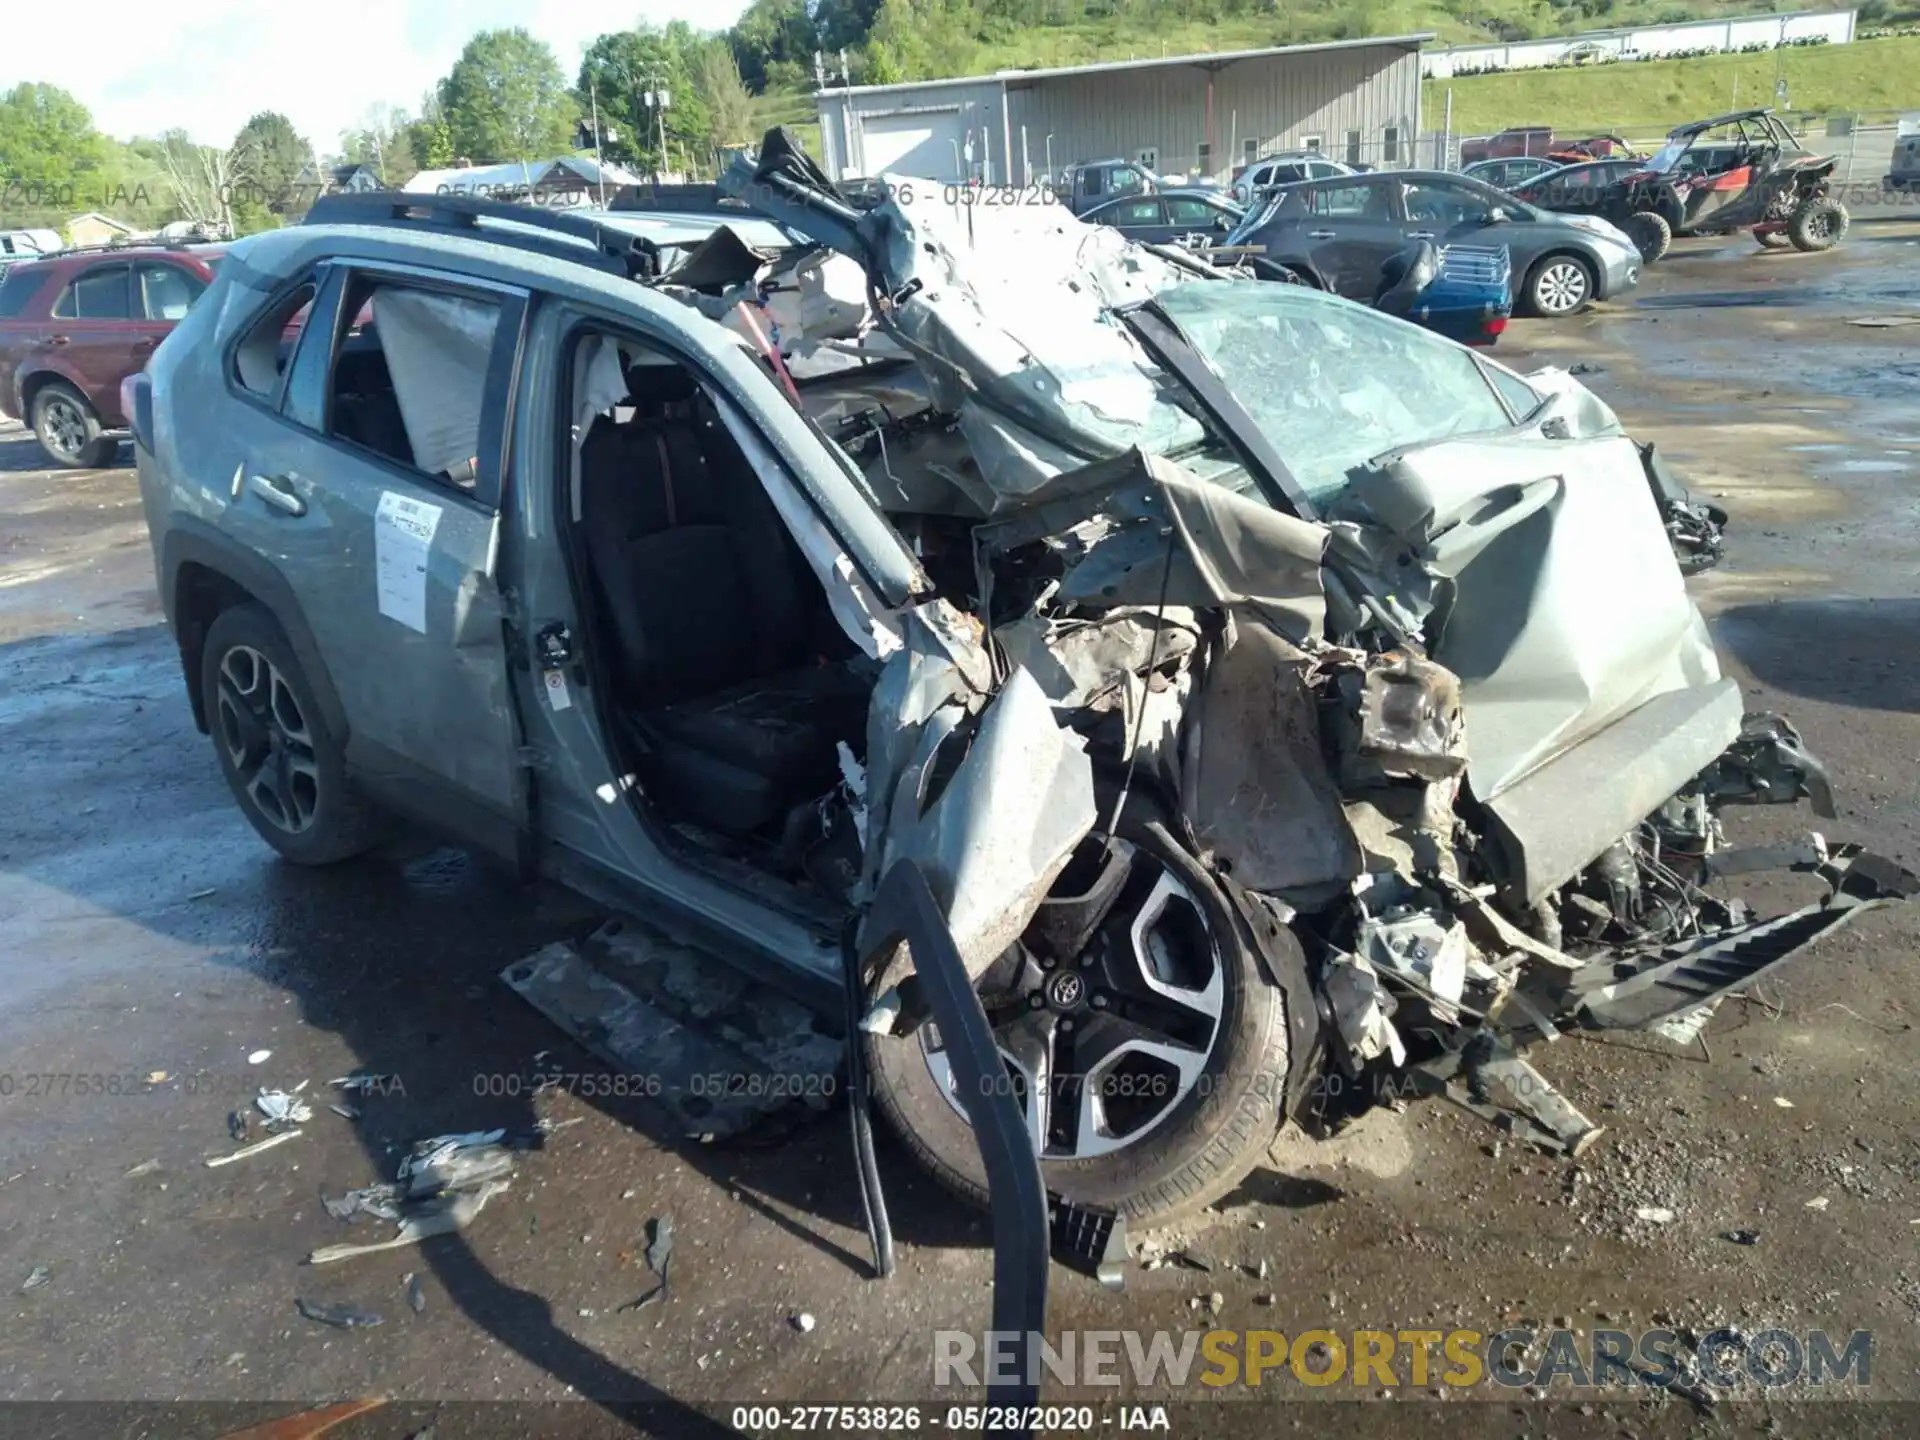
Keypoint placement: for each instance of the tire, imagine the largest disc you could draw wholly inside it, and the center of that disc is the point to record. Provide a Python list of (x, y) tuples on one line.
[(1772, 239), (1818, 224), (1559, 285), (1195, 1146), (1650, 233), (271, 741), (68, 430)]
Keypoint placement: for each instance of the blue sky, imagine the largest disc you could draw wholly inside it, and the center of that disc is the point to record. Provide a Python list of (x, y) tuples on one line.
[(208, 65)]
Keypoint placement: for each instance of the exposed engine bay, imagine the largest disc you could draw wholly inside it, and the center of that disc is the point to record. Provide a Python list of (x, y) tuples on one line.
[(1264, 622)]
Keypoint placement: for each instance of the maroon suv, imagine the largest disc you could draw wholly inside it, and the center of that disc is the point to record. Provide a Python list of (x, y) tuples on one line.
[(76, 324)]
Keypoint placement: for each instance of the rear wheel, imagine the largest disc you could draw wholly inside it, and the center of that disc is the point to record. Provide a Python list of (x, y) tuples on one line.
[(1818, 224), (1772, 239), (1559, 285), (1650, 233), (1140, 1037), (68, 429), (283, 765)]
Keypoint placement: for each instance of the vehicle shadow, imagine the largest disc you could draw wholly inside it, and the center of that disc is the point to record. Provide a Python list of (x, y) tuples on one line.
[(399, 956), (1860, 653)]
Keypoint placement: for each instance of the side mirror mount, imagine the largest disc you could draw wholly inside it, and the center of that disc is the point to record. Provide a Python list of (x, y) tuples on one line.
[(1498, 215)]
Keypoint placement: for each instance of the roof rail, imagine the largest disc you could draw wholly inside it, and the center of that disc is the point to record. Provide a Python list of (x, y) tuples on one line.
[(110, 247), (615, 251)]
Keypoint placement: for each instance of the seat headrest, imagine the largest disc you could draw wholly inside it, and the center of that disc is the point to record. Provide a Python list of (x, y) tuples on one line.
[(661, 384)]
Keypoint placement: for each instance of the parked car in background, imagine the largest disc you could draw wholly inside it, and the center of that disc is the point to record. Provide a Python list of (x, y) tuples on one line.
[(1094, 182), (1510, 172), (1904, 173), (1337, 234), (1576, 189), (1285, 169), (74, 325), (1172, 217), (19, 245)]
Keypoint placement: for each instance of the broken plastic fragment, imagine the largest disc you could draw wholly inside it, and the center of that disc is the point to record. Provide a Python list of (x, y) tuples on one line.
[(242, 1154), (442, 1215), (282, 1109), (1361, 1008), (342, 1317)]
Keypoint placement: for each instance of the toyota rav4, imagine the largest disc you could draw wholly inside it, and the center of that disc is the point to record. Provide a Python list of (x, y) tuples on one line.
[(1279, 702)]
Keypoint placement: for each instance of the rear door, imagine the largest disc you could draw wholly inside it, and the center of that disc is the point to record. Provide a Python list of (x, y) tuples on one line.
[(1142, 219), (1195, 222), (372, 473), (93, 335), (1447, 211), (163, 292), (1350, 228)]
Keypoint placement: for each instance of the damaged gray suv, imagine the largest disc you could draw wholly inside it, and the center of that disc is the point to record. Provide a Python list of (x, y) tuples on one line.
[(1283, 704)]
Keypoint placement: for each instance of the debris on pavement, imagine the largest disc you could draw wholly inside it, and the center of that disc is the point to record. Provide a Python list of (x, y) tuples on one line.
[(145, 1167), (282, 1109), (259, 1057), (649, 1005), (1655, 1214), (239, 1126), (1783, 1102), (380, 1201), (244, 1152), (366, 1084), (442, 1215), (157, 1077), (342, 1317), (804, 1323), (455, 1162), (416, 1293), (345, 1112), (1741, 1237), (1819, 1202), (659, 1258), (39, 1276)]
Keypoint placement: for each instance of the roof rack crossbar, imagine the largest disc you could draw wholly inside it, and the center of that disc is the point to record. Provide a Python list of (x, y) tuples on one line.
[(612, 250)]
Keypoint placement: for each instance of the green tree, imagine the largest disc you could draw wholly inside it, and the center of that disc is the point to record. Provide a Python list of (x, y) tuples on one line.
[(717, 79), (773, 32), (53, 163), (383, 142), (620, 70), (506, 99), (271, 168)]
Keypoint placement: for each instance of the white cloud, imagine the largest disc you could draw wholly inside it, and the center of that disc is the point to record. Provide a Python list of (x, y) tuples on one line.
[(210, 65)]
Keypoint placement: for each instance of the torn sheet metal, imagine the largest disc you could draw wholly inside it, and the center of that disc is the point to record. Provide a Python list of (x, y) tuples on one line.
[(1254, 783), (670, 1017), (994, 838), (1086, 663), (1410, 718), (1568, 611)]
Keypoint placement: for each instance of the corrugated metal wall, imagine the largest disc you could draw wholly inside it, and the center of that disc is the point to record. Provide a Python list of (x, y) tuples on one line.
[(1362, 103), (1276, 104)]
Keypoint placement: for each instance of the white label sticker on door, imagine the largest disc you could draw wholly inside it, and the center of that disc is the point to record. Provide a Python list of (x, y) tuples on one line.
[(402, 538), (557, 694)]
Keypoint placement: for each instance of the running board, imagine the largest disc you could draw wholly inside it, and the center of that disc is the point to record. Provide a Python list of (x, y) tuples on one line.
[(1641, 992)]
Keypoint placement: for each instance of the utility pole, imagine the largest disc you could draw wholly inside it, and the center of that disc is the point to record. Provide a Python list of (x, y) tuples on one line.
[(599, 161)]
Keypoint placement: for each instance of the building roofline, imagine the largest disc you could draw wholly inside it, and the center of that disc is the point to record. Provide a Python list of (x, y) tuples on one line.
[(1209, 59)]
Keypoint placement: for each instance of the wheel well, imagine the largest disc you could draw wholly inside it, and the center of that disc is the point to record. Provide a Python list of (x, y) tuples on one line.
[(200, 593), (38, 381)]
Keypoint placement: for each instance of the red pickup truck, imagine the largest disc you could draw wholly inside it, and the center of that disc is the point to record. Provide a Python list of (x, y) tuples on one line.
[(1540, 140), (74, 325)]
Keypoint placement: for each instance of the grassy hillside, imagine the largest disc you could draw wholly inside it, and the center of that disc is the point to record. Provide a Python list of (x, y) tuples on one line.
[(1655, 94)]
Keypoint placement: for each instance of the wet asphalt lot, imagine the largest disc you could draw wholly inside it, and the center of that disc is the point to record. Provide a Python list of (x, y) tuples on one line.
[(146, 932)]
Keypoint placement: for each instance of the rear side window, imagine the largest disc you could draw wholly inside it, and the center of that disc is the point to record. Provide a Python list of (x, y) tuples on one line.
[(409, 376), (101, 293), (261, 357), (167, 292), (1351, 202), (16, 289)]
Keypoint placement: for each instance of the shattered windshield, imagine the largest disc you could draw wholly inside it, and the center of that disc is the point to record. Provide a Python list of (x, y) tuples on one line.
[(1332, 384)]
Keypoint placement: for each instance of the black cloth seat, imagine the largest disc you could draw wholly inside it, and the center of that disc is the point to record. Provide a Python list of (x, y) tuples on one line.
[(710, 611)]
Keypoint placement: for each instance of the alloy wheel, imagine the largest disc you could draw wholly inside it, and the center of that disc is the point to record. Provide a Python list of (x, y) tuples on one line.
[(64, 428), (1561, 288), (265, 734), (1100, 1047)]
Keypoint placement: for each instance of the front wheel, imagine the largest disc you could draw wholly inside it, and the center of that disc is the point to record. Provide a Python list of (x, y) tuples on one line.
[(1652, 236), (1559, 285), (1818, 224), (283, 765), (1772, 239), (68, 430), (1139, 1033)]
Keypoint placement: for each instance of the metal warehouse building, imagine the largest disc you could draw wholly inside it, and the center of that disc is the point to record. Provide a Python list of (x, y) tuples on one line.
[(1356, 100)]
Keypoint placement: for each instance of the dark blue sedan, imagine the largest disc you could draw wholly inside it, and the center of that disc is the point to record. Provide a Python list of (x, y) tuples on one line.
[(1170, 217)]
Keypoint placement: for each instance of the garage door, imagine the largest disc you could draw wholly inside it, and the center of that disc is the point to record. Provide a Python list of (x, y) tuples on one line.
[(921, 144)]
